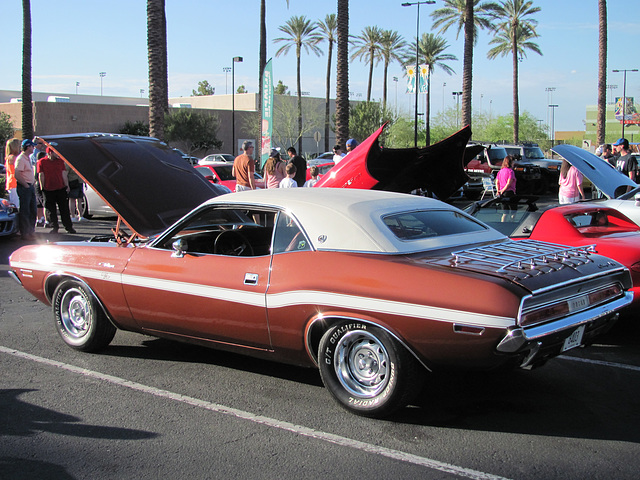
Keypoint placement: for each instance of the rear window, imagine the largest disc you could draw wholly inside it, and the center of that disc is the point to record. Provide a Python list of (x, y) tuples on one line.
[(430, 223)]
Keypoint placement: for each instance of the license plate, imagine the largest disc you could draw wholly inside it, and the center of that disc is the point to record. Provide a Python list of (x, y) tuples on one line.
[(574, 340), (578, 303)]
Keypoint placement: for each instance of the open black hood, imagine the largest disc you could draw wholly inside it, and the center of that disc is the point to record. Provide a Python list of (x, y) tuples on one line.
[(143, 180)]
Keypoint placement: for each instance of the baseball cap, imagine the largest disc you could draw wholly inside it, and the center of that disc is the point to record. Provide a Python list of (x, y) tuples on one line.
[(274, 153), (352, 142), (28, 143), (621, 141)]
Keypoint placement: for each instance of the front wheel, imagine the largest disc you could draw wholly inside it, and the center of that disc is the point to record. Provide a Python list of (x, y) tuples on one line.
[(79, 318), (366, 370)]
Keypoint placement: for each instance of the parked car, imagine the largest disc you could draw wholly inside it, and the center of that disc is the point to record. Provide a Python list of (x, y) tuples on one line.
[(221, 173), (323, 167), (531, 153), (610, 187), (217, 158), (589, 225), (8, 218), (324, 278)]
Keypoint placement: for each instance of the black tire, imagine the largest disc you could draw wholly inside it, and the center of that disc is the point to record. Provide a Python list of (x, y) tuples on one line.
[(79, 318), (367, 371), (84, 207)]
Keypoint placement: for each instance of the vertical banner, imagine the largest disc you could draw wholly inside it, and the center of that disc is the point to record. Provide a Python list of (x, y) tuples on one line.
[(411, 79), (267, 111), (423, 82)]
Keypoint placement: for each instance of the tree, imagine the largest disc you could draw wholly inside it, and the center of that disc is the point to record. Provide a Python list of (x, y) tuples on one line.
[(281, 89), (241, 89), (157, 53), (285, 112), (366, 47), (456, 12), (6, 130), (366, 117), (328, 32), (342, 74), (27, 105), (135, 128), (204, 89), (513, 35), (300, 33), (431, 51), (602, 72), (391, 49), (192, 130)]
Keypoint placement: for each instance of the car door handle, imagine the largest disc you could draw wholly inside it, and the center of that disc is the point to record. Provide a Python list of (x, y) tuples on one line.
[(250, 278)]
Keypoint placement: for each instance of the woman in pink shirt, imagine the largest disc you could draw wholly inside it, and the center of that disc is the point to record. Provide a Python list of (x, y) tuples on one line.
[(506, 178), (274, 170), (570, 182)]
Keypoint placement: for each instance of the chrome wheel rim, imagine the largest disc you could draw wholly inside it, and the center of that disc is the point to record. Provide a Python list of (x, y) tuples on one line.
[(362, 364), (75, 313)]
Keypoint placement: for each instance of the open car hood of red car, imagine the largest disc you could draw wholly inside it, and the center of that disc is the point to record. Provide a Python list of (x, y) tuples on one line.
[(143, 180), (438, 168), (608, 180)]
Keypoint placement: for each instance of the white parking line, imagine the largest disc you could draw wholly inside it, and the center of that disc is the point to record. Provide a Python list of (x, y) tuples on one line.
[(602, 363), (262, 420)]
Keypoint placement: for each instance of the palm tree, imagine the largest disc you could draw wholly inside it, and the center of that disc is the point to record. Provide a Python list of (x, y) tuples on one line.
[(366, 46), (301, 33), (27, 106), (455, 13), (342, 74), (602, 74), (391, 49), (430, 51), (328, 32), (157, 53), (513, 35)]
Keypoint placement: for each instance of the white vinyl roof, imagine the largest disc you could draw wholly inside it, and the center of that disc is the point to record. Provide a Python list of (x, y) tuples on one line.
[(351, 219)]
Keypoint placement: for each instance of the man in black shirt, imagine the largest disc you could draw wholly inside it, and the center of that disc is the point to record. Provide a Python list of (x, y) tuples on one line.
[(301, 166), (625, 163)]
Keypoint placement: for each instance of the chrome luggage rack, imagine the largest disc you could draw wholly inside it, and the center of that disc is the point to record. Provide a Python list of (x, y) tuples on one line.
[(526, 255)]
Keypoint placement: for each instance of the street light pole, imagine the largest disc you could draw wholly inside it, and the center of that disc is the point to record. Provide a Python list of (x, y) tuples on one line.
[(102, 75), (408, 4), (457, 95), (226, 71), (233, 103), (624, 93), (553, 124)]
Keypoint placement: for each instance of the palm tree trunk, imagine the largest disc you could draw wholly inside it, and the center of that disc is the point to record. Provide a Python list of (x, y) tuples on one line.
[(602, 74), (157, 53), (327, 104), (27, 105), (342, 74), (467, 81), (370, 78), (384, 85), (516, 108), (299, 101)]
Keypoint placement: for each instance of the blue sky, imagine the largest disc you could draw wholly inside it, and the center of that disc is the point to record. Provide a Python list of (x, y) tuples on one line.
[(74, 40)]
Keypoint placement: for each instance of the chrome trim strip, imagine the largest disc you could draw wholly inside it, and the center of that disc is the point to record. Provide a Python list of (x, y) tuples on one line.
[(13, 275)]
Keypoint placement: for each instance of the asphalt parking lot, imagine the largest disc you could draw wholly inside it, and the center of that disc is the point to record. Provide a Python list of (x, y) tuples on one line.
[(151, 408)]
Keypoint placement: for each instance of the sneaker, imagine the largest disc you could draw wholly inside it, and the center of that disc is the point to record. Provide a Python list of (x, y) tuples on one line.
[(53, 230), (75, 219), (71, 230), (40, 222)]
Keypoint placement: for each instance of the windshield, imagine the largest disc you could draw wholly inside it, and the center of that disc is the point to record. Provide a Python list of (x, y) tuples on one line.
[(533, 153)]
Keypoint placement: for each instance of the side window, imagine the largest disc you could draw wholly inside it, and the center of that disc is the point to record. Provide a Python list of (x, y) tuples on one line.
[(288, 237)]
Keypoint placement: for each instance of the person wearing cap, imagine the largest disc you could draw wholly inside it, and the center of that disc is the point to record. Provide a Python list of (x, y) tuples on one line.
[(244, 167), (625, 163), (352, 143), (337, 154), (52, 174), (40, 147), (26, 179), (274, 170)]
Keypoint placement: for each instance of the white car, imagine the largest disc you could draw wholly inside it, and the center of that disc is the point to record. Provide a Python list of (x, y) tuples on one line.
[(217, 158), (618, 190)]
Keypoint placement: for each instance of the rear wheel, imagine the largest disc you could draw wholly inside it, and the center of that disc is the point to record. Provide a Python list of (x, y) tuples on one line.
[(84, 207), (79, 318), (367, 371)]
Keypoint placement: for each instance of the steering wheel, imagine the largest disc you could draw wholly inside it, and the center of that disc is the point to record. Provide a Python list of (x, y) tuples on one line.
[(232, 242)]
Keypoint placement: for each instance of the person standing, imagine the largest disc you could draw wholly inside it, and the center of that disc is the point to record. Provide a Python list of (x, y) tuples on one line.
[(352, 143), (244, 167), (625, 163), (39, 147), (26, 179), (76, 187), (570, 182), (12, 150), (337, 154), (300, 164), (506, 178), (274, 170), (54, 182), (314, 177), (607, 154), (289, 181)]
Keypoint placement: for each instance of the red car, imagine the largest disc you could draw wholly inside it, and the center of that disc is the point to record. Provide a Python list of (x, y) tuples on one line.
[(610, 232), (221, 173)]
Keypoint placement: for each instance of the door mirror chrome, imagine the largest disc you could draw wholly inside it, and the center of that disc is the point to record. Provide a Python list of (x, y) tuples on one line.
[(179, 247)]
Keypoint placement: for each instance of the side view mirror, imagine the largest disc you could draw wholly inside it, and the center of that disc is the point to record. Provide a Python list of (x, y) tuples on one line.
[(179, 247)]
